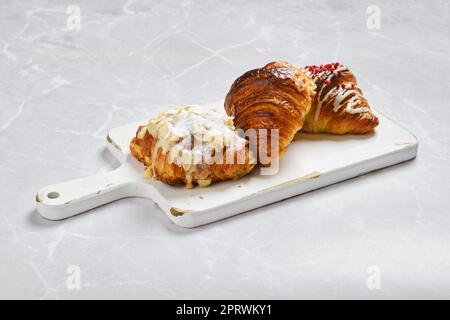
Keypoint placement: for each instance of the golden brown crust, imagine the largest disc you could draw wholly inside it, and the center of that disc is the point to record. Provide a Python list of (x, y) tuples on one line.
[(276, 96), (168, 172), (339, 106)]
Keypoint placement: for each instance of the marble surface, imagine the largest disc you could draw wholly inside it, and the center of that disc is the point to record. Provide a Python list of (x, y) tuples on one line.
[(64, 84)]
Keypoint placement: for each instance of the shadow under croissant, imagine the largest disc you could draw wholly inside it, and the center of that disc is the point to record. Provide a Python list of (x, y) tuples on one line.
[(301, 136)]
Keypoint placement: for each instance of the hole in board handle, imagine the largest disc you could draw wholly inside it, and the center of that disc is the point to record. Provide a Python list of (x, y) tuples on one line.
[(52, 195)]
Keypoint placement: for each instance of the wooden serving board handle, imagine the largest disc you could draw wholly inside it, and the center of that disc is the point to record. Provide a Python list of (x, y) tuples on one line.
[(63, 200)]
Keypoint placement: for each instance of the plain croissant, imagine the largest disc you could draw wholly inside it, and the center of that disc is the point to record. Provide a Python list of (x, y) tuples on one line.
[(339, 106), (276, 96)]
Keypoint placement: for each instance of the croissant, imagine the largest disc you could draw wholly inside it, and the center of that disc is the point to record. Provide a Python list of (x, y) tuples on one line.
[(191, 145), (339, 106), (276, 96)]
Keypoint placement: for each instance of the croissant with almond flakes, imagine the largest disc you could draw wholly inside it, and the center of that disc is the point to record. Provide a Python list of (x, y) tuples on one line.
[(191, 146)]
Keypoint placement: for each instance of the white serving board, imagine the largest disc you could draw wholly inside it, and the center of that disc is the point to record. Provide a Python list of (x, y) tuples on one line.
[(311, 161)]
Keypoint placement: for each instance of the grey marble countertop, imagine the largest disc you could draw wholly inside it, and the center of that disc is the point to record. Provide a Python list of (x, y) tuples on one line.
[(65, 81)]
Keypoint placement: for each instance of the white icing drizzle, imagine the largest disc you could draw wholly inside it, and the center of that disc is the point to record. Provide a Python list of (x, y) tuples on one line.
[(341, 92), (190, 135), (349, 108), (345, 92), (320, 102)]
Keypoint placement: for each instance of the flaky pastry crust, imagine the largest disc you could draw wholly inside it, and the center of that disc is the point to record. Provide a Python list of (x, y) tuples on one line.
[(339, 106), (276, 96)]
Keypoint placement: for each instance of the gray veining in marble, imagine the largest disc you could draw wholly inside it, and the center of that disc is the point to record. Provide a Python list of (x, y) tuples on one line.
[(62, 87)]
